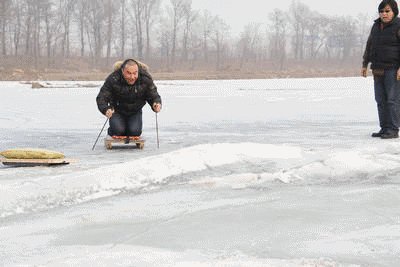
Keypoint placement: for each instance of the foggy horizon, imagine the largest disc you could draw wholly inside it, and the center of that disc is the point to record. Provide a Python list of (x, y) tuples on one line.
[(237, 14)]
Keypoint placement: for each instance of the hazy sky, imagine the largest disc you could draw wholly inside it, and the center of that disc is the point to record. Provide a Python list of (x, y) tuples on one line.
[(238, 13)]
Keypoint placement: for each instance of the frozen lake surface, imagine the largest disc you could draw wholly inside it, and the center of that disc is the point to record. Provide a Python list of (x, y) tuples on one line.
[(248, 173)]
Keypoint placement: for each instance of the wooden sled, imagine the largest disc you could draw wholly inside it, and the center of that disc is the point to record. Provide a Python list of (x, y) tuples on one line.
[(124, 142), (34, 162)]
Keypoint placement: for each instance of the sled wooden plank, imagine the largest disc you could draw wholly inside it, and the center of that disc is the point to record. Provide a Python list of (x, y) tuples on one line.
[(123, 143), (35, 162)]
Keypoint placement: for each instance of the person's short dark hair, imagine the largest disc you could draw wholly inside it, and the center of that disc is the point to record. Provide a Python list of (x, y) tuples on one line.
[(392, 4), (129, 62)]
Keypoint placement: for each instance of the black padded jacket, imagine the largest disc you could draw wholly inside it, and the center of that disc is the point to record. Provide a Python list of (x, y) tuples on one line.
[(383, 45), (127, 99)]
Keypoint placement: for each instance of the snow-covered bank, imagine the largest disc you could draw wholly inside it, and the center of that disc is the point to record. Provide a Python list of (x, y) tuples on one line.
[(141, 174)]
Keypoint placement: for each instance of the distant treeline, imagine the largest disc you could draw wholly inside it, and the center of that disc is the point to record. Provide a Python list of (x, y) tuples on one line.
[(172, 34)]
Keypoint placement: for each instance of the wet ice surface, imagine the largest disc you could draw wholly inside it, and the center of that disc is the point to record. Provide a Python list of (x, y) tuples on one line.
[(249, 173)]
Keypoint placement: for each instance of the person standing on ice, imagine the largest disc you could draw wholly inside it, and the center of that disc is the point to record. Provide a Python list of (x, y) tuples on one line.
[(123, 95), (383, 52)]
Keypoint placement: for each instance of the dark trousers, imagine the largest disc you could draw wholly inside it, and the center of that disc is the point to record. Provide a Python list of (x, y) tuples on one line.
[(126, 125), (387, 97)]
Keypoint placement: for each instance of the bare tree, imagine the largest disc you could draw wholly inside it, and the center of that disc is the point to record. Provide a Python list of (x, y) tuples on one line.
[(38, 10), (278, 36), (123, 7), (36, 31), (143, 17), (342, 37), (206, 20), (164, 40), (109, 13), (66, 8), (49, 20), (138, 9), (150, 9), (28, 6), (95, 19), (249, 43), (348, 28), (189, 16), (177, 16), (219, 33), (315, 37), (299, 14), (5, 7), (16, 25), (81, 18)]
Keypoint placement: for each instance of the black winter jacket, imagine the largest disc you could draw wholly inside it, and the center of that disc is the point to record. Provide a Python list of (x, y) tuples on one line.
[(127, 99), (383, 46)]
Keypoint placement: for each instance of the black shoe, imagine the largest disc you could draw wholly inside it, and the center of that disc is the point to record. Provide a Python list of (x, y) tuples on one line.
[(378, 134), (390, 135)]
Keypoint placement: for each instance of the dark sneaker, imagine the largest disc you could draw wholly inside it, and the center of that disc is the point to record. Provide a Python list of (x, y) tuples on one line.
[(390, 135), (378, 134)]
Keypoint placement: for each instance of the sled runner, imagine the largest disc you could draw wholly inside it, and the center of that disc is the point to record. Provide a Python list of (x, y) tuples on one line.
[(123, 142), (34, 162)]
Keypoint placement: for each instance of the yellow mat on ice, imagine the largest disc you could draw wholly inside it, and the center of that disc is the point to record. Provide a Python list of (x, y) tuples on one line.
[(31, 153)]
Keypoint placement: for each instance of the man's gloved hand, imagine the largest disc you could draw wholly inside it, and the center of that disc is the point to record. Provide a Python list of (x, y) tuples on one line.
[(156, 107), (109, 112)]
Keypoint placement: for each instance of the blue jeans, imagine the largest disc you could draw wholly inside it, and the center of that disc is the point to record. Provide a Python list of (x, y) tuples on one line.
[(387, 97), (126, 125)]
